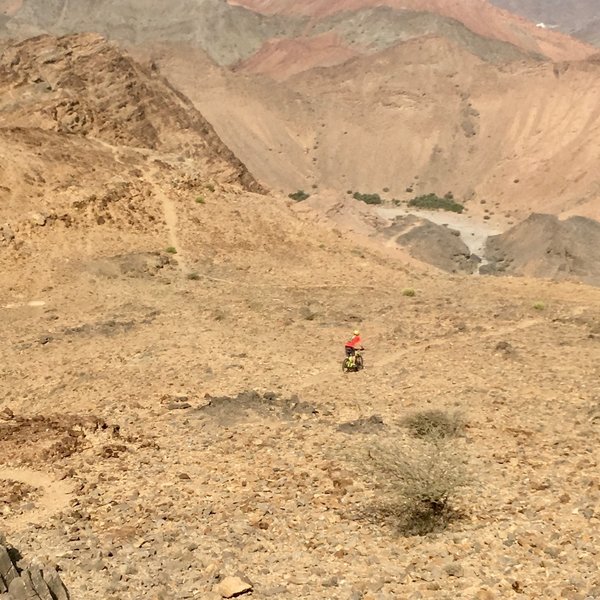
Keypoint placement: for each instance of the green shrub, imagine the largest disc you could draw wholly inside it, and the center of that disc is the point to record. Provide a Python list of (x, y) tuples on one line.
[(368, 198), (434, 202), (539, 306), (299, 196), (171, 250), (210, 187), (408, 292), (200, 200), (193, 276)]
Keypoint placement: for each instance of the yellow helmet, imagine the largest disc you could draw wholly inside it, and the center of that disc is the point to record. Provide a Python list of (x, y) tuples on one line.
[(356, 332)]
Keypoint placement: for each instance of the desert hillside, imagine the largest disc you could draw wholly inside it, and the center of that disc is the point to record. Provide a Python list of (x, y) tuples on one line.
[(581, 18), (514, 139), (480, 16), (174, 417), (470, 109)]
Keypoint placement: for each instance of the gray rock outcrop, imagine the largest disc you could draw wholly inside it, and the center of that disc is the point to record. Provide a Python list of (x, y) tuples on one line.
[(27, 582)]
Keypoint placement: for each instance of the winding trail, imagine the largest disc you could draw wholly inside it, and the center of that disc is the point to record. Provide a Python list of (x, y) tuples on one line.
[(170, 215), (327, 375), (54, 496)]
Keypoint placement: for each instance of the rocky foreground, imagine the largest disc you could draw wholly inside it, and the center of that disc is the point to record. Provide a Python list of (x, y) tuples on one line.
[(32, 582), (185, 449)]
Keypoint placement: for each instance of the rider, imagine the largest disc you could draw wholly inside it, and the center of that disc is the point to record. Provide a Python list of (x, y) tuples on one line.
[(354, 344)]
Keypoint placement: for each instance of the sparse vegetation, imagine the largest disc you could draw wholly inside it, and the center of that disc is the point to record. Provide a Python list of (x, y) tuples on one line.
[(434, 202), (210, 187), (193, 276), (299, 196), (422, 479), (434, 424), (368, 198), (200, 200), (408, 292), (539, 306), (171, 250)]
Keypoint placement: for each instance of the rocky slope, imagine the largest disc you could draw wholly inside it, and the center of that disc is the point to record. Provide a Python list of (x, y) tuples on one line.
[(234, 31), (220, 455), (84, 86), (349, 125), (82, 120), (543, 246), (172, 342), (479, 16), (581, 18), (505, 140), (18, 582)]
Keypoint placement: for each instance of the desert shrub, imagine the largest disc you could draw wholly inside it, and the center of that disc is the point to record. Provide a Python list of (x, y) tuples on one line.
[(210, 187), (171, 250), (200, 200), (434, 202), (539, 306), (193, 276), (408, 292), (299, 196), (434, 424), (422, 480), (368, 198)]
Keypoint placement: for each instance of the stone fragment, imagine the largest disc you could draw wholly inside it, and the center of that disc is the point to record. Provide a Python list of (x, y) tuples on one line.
[(38, 219), (7, 233), (232, 587), (8, 572)]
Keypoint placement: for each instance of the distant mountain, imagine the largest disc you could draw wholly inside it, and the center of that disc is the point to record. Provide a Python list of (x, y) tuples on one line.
[(480, 16), (233, 31), (580, 18)]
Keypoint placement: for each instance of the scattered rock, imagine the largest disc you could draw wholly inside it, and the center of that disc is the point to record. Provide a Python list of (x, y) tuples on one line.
[(178, 405), (234, 408), (7, 233), (39, 219), (505, 348), (33, 582), (232, 587), (374, 424)]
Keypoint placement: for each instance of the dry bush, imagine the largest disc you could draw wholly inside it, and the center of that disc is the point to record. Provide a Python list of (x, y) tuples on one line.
[(435, 424), (422, 479)]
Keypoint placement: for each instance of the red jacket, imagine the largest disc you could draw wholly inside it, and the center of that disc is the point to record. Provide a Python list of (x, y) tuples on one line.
[(355, 342)]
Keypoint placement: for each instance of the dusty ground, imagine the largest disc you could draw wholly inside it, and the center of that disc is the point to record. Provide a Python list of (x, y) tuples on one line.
[(165, 491), (172, 393)]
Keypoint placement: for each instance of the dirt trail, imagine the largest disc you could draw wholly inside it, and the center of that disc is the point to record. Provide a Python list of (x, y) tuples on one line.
[(326, 375), (54, 497)]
